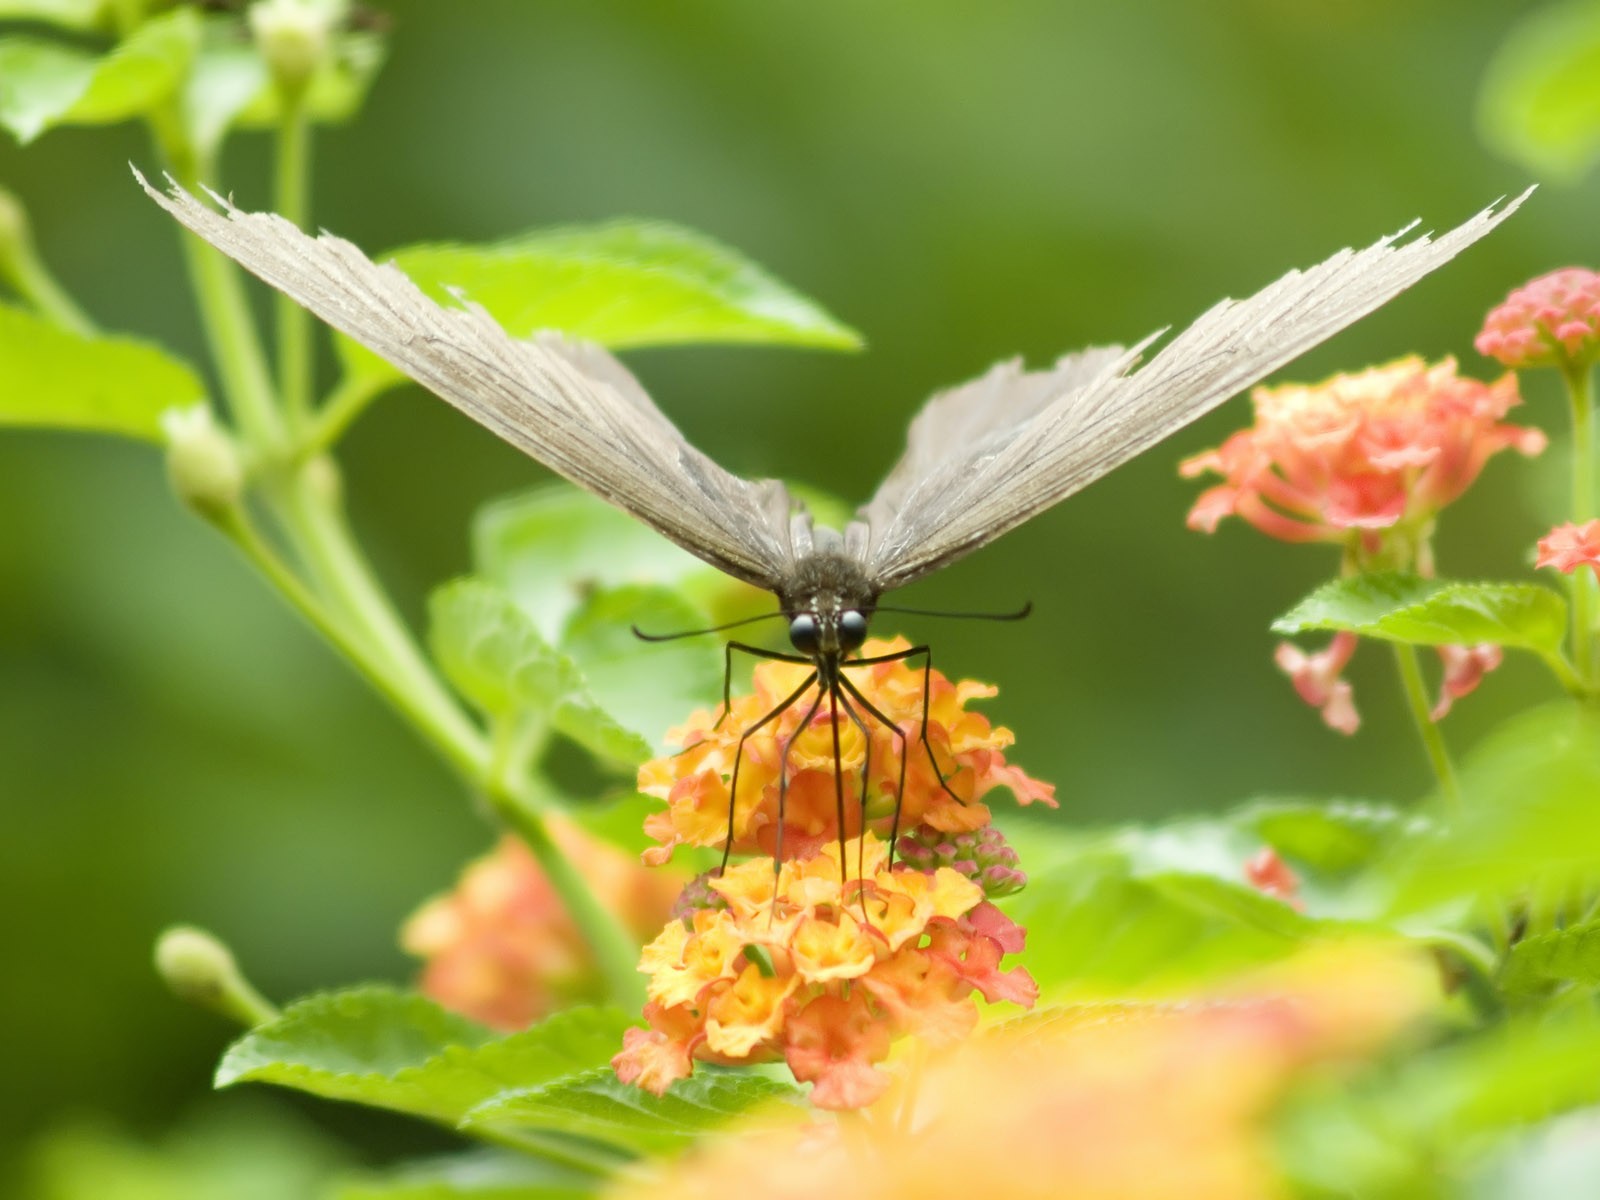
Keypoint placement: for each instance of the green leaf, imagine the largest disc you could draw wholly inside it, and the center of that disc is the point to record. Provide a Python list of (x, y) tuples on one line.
[(70, 14), (493, 654), (400, 1051), (598, 1105), (1570, 955), (1095, 929), (478, 1175), (1530, 822), (1168, 905), (553, 547), (44, 84), (248, 1151), (623, 284), (1336, 837), (52, 378), (1401, 607), (1540, 103), (647, 686), (1401, 1130)]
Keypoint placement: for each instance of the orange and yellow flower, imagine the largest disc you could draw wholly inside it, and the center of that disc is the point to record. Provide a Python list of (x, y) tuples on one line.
[(501, 947), (1359, 453), (825, 973), (697, 783)]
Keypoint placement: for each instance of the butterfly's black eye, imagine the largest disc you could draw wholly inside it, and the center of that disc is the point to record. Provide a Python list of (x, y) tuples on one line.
[(803, 633), (852, 629)]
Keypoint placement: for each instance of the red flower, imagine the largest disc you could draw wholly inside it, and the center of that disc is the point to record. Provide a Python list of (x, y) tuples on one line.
[(1271, 876), (1386, 447), (1552, 321), (1568, 547), (1316, 679), (1464, 669)]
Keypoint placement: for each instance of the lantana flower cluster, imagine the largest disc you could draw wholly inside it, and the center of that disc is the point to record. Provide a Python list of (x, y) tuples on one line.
[(502, 948), (697, 783), (1360, 453), (823, 968), (825, 958), (1551, 321), (1365, 461)]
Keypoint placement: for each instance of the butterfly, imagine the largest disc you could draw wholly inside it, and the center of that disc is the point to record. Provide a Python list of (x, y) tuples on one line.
[(980, 459)]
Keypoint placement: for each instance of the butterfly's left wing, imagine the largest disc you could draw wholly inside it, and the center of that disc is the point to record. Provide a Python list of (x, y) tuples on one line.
[(566, 403), (986, 456)]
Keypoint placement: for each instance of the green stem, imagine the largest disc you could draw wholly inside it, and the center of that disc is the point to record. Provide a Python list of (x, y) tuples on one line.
[(24, 270), (1581, 394), (1405, 657), (311, 513), (470, 754), (1566, 674), (224, 311), (309, 507), (347, 605), (293, 201), (615, 951), (347, 402), (468, 758)]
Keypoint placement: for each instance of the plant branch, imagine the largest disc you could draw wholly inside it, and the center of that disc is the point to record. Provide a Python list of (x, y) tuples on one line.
[(1405, 657), (346, 402), (292, 200)]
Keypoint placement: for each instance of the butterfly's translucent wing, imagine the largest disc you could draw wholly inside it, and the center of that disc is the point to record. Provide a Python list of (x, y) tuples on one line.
[(984, 457), (568, 404)]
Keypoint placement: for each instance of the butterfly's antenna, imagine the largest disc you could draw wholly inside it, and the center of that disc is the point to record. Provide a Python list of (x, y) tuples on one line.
[(688, 633), (1020, 614)]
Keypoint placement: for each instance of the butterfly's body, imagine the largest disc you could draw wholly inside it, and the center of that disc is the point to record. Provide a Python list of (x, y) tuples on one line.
[(981, 458)]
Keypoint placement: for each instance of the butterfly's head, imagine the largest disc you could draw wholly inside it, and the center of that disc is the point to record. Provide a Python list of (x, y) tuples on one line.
[(830, 606)]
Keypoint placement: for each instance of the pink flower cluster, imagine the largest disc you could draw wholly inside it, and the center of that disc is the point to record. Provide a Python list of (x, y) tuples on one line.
[(1359, 452), (1552, 321)]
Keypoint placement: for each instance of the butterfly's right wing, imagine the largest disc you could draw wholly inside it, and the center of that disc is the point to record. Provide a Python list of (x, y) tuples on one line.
[(568, 404), (991, 454)]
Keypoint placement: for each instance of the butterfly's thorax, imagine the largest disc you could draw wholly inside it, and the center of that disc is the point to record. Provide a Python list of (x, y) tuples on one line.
[(826, 584)]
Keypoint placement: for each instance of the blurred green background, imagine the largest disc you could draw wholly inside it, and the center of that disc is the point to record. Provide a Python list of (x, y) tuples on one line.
[(960, 182)]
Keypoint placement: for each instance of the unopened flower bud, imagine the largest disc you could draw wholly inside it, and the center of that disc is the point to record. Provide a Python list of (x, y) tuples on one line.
[(199, 969), (982, 855), (202, 461), (294, 36), (698, 894)]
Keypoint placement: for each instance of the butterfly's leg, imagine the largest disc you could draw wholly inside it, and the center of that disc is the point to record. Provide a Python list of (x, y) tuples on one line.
[(894, 826), (866, 774), (783, 765), (727, 671), (727, 680), (738, 759), (927, 679), (838, 781)]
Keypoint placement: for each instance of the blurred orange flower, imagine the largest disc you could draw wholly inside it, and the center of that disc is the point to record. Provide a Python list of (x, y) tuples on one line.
[(501, 948), (825, 974), (1551, 321), (1100, 1102), (1359, 453), (697, 782)]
